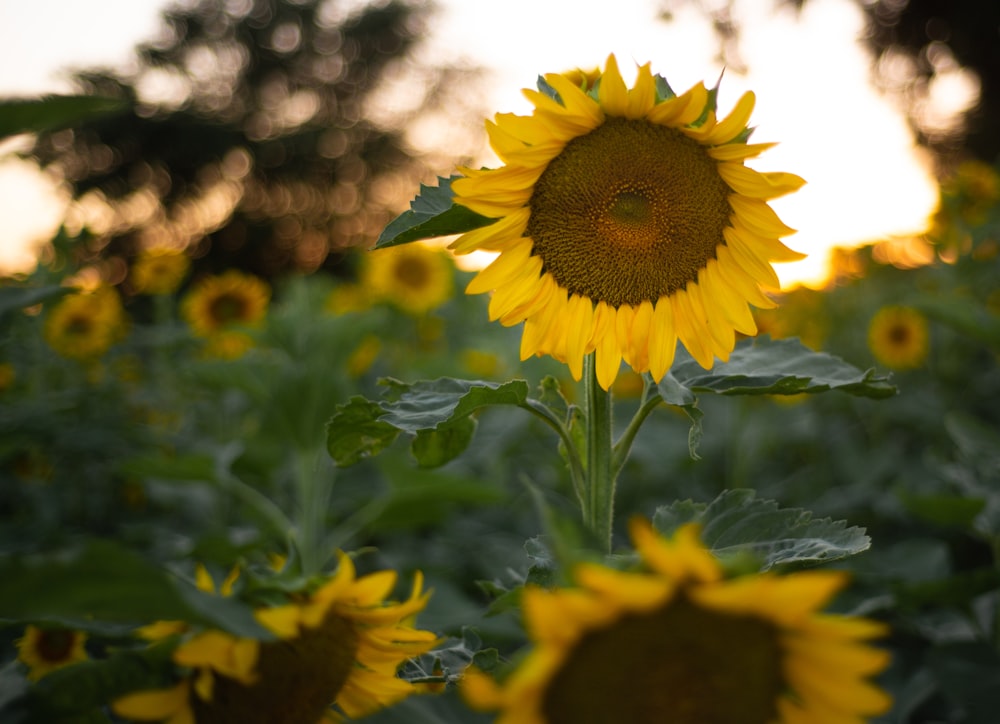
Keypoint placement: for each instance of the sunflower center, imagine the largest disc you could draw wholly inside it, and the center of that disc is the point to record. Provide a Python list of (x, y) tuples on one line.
[(299, 679), (681, 664), (79, 325), (629, 212), (55, 645), (899, 335), (411, 273), (227, 308)]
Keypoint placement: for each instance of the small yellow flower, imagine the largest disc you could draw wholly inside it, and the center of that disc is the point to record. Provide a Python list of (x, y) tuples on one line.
[(84, 325), (340, 645), (414, 277), (43, 650), (625, 220), (219, 307), (680, 642), (159, 270), (899, 337)]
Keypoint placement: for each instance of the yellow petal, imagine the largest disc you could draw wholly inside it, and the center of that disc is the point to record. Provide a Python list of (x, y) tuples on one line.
[(154, 704), (662, 339), (734, 276), (495, 236), (758, 217), (738, 151), (682, 110), (580, 322), (508, 265), (642, 97), (732, 125), (612, 92), (605, 342), (691, 329)]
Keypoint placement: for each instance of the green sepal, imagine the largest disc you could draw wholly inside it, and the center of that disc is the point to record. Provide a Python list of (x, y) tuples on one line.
[(545, 89), (663, 90), (432, 213), (738, 525)]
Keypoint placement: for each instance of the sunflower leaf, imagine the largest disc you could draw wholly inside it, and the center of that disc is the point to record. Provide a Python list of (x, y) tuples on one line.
[(763, 366), (738, 524), (432, 213), (34, 115), (13, 299), (434, 448), (355, 432), (133, 589), (428, 404)]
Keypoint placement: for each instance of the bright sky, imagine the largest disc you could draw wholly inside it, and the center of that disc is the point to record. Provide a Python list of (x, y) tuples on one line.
[(810, 75)]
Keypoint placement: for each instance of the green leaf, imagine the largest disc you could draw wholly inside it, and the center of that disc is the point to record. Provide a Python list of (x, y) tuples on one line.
[(968, 673), (434, 448), (427, 404), (763, 366), (106, 581), (34, 115), (13, 299), (355, 432), (738, 524), (74, 693), (432, 213)]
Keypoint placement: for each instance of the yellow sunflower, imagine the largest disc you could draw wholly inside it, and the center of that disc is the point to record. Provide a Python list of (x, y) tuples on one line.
[(84, 325), (681, 643), (43, 649), (230, 299), (159, 270), (341, 645), (416, 278), (625, 220), (898, 337)]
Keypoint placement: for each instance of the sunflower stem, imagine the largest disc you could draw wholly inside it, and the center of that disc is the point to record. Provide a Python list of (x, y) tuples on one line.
[(624, 445), (599, 493)]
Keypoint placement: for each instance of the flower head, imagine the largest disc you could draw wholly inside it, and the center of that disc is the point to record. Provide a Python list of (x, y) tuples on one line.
[(84, 325), (416, 278), (44, 649), (681, 643), (340, 645), (159, 270), (625, 220), (219, 307), (898, 337)]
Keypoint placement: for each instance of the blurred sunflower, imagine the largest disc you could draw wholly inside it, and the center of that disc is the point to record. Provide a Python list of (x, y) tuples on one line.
[(340, 646), (680, 643), (218, 306), (159, 270), (899, 337), (625, 220), (43, 649), (416, 278), (84, 325)]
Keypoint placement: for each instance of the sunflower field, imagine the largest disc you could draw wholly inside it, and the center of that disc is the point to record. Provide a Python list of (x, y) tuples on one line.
[(615, 475)]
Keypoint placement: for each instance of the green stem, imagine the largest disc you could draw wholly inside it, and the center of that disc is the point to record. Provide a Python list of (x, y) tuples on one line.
[(599, 490), (313, 492), (576, 469), (624, 445), (279, 523)]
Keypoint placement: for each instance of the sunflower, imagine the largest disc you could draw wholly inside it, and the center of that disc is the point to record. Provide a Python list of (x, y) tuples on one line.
[(625, 220), (416, 278), (44, 649), (224, 301), (898, 337), (340, 645), (159, 270), (681, 643), (84, 325)]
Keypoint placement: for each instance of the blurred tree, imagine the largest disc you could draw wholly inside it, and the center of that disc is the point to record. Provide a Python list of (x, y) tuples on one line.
[(249, 135), (914, 44)]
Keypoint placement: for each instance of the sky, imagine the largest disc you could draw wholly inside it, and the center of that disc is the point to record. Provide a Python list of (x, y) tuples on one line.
[(866, 178)]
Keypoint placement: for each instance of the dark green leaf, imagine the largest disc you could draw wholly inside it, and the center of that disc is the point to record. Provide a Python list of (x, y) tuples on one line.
[(426, 405), (34, 115), (433, 448), (969, 675), (355, 432), (431, 214), (104, 580), (13, 299), (763, 366), (737, 523)]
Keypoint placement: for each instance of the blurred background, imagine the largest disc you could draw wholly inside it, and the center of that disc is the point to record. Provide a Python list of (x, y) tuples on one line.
[(271, 135)]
